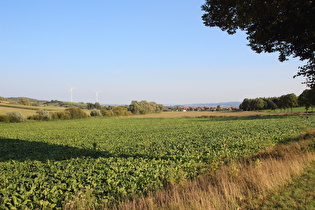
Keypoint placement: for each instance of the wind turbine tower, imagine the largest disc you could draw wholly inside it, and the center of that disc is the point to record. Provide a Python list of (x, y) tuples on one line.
[(71, 93), (97, 96)]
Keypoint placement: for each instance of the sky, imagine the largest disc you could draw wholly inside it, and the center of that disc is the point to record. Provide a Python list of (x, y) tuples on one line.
[(131, 50)]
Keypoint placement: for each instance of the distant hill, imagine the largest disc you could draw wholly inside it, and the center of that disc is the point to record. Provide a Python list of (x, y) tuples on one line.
[(222, 104), (30, 99)]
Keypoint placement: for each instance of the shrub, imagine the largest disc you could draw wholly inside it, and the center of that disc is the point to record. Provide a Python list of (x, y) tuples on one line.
[(15, 117), (35, 104), (41, 115), (103, 112), (60, 115), (4, 118), (25, 101), (116, 111), (76, 113), (109, 113), (95, 113), (120, 111)]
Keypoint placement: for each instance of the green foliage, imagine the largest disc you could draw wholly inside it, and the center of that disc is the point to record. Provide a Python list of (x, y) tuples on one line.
[(144, 107), (95, 113), (3, 99), (15, 117), (70, 113), (108, 107), (80, 105), (25, 101), (93, 106), (97, 105), (107, 112), (288, 101), (258, 103), (284, 26), (60, 115), (120, 111), (35, 104), (90, 106), (41, 115), (282, 102), (4, 118), (254, 104), (116, 111), (43, 164), (307, 98), (76, 113)]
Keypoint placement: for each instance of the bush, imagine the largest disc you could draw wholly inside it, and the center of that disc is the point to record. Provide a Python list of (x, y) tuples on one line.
[(95, 113), (76, 113), (116, 111), (25, 101), (4, 118), (103, 112), (109, 113), (60, 115), (41, 115), (121, 111), (15, 117)]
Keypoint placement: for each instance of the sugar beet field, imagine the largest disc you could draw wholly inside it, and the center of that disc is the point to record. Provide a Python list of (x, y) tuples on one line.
[(46, 164)]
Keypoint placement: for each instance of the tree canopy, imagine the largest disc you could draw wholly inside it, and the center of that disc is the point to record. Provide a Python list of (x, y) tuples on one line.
[(287, 101), (284, 26), (144, 107), (307, 98)]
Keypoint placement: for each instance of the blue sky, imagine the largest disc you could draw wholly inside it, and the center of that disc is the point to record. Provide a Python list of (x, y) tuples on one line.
[(131, 50)]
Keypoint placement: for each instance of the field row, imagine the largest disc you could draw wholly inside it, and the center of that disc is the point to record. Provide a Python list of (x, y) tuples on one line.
[(42, 164)]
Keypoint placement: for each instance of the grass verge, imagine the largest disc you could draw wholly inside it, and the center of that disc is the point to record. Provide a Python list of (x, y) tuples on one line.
[(298, 194)]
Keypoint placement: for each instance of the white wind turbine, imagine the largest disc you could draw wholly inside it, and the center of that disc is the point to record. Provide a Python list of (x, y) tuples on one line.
[(97, 93), (71, 92)]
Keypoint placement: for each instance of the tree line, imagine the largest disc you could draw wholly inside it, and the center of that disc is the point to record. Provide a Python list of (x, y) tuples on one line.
[(284, 102), (96, 110), (307, 98)]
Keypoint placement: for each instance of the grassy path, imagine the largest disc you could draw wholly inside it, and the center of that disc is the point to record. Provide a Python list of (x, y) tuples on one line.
[(299, 194)]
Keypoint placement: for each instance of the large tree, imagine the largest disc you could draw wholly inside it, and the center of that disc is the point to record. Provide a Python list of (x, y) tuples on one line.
[(284, 26), (288, 101), (307, 98)]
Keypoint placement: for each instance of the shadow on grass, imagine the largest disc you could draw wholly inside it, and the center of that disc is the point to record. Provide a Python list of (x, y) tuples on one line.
[(21, 150)]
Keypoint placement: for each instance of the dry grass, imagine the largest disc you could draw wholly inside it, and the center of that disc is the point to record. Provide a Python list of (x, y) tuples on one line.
[(235, 184), (25, 110)]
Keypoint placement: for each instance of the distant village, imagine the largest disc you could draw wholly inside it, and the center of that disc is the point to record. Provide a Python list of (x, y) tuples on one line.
[(201, 109)]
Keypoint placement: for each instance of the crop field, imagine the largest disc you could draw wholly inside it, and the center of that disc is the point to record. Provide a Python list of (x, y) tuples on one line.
[(46, 164)]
